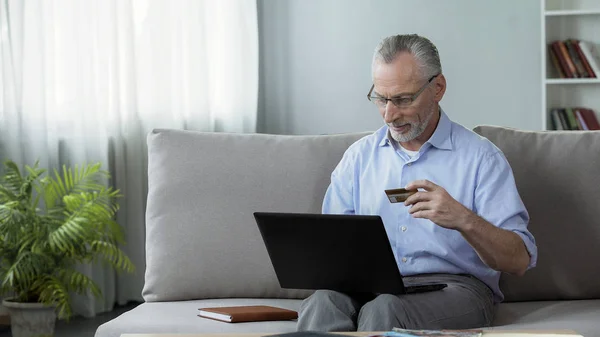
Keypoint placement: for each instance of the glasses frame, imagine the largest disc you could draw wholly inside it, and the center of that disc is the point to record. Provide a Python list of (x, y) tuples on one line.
[(412, 97)]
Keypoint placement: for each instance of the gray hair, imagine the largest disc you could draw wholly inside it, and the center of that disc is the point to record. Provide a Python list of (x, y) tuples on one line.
[(422, 49)]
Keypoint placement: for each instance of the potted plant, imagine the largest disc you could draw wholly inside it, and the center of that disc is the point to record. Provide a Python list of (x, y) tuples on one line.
[(49, 225)]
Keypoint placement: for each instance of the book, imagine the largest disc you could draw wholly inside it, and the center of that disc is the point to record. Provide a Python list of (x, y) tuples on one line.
[(581, 71), (396, 332), (530, 333), (572, 119), (563, 119), (589, 116), (561, 59), (590, 54), (565, 53), (311, 334), (248, 313), (556, 121), (556, 62), (580, 119), (586, 63)]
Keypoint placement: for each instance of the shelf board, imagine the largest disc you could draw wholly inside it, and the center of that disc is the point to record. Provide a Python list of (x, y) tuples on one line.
[(568, 12), (573, 81)]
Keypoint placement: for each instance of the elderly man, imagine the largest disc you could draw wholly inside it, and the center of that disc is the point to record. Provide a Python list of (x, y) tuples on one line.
[(464, 226)]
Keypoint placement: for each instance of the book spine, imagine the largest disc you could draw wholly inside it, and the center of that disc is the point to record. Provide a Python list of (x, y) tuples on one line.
[(561, 59), (571, 118), (590, 119), (563, 119), (565, 53), (584, 59), (263, 316), (556, 62), (579, 124), (589, 55), (581, 72), (556, 120), (580, 118)]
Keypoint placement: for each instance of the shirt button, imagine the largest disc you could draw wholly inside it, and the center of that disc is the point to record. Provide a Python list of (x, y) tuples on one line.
[(403, 259), (403, 229), (409, 164)]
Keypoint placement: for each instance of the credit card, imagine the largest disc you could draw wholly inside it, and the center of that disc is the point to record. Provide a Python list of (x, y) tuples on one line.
[(399, 194)]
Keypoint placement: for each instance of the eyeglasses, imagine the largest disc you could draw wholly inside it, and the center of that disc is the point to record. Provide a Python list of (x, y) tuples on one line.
[(401, 101)]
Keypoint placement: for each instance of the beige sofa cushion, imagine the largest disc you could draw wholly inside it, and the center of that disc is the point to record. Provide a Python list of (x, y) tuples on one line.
[(558, 178), (201, 237)]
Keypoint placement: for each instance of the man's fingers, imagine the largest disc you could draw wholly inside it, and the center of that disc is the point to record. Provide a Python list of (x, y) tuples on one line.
[(423, 214), (417, 197), (420, 206), (424, 184)]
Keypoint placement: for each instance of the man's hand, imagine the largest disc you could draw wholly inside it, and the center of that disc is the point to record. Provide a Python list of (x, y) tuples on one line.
[(500, 249), (437, 205)]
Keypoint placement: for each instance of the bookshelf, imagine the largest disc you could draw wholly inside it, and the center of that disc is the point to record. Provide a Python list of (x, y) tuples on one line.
[(563, 20)]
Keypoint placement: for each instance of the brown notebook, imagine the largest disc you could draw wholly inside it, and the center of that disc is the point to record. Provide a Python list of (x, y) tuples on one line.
[(248, 313)]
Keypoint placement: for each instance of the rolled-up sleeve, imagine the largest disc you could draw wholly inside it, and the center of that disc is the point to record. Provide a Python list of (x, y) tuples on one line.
[(497, 200)]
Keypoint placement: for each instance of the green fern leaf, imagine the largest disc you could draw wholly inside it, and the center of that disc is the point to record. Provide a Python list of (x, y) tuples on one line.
[(40, 246)]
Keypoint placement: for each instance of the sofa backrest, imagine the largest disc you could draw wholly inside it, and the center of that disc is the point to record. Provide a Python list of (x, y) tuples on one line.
[(558, 178), (201, 237)]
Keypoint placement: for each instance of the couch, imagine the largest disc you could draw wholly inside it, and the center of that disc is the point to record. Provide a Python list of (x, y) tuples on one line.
[(203, 248)]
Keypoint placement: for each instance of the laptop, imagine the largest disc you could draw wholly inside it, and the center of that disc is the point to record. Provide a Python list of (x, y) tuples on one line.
[(345, 253)]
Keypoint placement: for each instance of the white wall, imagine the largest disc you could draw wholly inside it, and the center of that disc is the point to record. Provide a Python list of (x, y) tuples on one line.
[(316, 56)]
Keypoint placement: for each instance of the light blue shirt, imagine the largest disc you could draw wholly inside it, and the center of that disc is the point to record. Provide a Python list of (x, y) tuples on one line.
[(473, 171)]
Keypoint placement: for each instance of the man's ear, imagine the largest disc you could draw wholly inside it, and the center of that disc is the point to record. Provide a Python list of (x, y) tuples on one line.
[(439, 86)]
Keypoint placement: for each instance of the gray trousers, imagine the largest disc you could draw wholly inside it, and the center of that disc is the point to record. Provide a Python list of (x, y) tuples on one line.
[(465, 303)]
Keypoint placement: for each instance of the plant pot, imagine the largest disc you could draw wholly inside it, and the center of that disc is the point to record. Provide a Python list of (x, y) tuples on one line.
[(30, 319)]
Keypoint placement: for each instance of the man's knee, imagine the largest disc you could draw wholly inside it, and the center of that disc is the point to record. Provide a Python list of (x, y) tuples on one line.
[(383, 304), (324, 299), (327, 310), (384, 313)]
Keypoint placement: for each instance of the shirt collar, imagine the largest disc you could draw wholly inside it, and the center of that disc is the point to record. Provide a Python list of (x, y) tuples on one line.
[(440, 137), (387, 138)]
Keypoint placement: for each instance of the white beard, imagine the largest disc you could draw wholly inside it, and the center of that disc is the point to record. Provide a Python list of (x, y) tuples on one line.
[(416, 128)]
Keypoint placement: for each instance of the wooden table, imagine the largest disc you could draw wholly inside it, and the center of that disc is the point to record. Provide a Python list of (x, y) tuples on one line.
[(488, 333)]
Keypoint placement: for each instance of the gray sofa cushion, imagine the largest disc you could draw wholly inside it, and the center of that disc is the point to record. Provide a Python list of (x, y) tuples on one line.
[(558, 177), (581, 316), (201, 237), (181, 317)]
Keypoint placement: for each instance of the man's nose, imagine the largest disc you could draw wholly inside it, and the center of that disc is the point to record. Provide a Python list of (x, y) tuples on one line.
[(390, 112)]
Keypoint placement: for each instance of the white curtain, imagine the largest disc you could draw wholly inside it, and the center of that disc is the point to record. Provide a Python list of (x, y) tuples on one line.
[(86, 80)]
